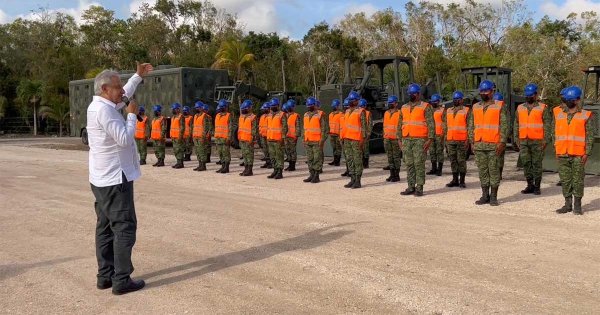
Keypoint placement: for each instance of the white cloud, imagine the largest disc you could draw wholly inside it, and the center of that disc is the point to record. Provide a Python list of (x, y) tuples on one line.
[(74, 12), (135, 5), (569, 6), (367, 8), (3, 17)]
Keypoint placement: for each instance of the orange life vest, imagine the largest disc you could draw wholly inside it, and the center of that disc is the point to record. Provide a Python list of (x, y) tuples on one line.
[(334, 123), (291, 122), (531, 123), (275, 126), (140, 128), (156, 132), (198, 126), (262, 125), (222, 126), (312, 127), (487, 124), (437, 117), (457, 124), (175, 125), (390, 124), (570, 137), (188, 125), (353, 128), (245, 128), (414, 124)]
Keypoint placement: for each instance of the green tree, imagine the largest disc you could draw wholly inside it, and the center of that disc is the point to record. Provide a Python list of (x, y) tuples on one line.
[(234, 56), (29, 93), (57, 110)]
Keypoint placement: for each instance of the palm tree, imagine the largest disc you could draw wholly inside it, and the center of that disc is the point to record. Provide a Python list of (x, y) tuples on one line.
[(234, 56), (30, 92), (57, 111)]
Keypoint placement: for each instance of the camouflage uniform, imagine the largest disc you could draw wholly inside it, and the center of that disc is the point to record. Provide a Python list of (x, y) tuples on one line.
[(291, 151), (201, 145), (223, 145), (142, 144), (457, 150), (413, 150), (188, 141), (354, 151), (179, 144), (159, 145), (248, 147), (436, 151), (276, 148), (264, 145), (392, 148), (314, 149), (366, 150)]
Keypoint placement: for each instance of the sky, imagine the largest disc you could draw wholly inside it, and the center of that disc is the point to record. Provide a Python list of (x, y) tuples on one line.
[(292, 18)]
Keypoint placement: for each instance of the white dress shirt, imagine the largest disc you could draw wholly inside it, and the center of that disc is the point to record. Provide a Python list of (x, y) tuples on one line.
[(110, 137)]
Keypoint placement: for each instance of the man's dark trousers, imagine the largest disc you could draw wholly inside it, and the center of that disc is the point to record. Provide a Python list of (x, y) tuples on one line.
[(115, 231)]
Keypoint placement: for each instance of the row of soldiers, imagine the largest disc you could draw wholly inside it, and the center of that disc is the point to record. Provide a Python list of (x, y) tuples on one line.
[(410, 132)]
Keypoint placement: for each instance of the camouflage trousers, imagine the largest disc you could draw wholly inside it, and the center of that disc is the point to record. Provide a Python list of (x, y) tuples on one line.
[(290, 149), (436, 150), (572, 174), (178, 149), (142, 147), (394, 155), (414, 157), (531, 155), (314, 155), (354, 155), (489, 165), (189, 145), (366, 148), (276, 154), (202, 150), (457, 154), (159, 148), (223, 150), (264, 146), (336, 145), (247, 152)]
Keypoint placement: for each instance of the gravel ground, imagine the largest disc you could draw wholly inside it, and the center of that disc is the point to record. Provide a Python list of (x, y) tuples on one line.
[(222, 244)]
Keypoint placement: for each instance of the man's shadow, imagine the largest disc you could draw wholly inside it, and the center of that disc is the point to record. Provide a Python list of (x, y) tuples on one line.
[(13, 270), (305, 241)]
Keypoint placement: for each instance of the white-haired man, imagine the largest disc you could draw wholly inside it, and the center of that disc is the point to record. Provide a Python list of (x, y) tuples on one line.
[(114, 165)]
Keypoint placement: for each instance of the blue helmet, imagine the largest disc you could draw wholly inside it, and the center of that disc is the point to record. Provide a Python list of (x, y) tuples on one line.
[(573, 93), (530, 89), (311, 101), (414, 89), (199, 105), (142, 109), (458, 95), (285, 107), (353, 96), (335, 103), (175, 106), (265, 106), (246, 104), (435, 98), (498, 96), (292, 102), (274, 102), (157, 108), (346, 102), (362, 103), (563, 91), (392, 99), (486, 85), (186, 109), (206, 107), (222, 103)]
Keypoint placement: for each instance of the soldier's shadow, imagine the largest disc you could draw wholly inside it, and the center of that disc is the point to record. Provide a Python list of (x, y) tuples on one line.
[(593, 205), (201, 267), (552, 190), (13, 270)]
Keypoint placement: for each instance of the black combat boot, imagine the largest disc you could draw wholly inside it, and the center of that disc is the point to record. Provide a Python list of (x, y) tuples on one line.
[(161, 162), (315, 178), (273, 173), (396, 176), (439, 169), (347, 172), (537, 190), (485, 196), (188, 157), (356, 182), (245, 171), (178, 165), (461, 183), (219, 162), (351, 183), (266, 165), (568, 207), (242, 164), (365, 162), (559, 183), (279, 174), (494, 197), (226, 168), (419, 191), (249, 173), (156, 164), (577, 206), (454, 181), (332, 162), (292, 166), (389, 179), (310, 177), (142, 162), (221, 169), (199, 166), (529, 189), (336, 160), (408, 191), (202, 167), (208, 158), (433, 170)]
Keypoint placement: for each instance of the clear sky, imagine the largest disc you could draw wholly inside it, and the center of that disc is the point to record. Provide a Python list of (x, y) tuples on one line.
[(288, 17)]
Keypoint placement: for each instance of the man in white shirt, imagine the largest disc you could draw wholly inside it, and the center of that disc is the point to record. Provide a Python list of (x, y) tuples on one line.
[(114, 165)]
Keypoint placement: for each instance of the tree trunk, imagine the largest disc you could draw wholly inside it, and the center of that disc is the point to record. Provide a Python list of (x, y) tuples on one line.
[(60, 129), (34, 120), (283, 72)]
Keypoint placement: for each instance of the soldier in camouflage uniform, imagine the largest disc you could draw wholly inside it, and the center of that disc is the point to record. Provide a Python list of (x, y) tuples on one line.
[(489, 141), (334, 132), (499, 97), (264, 144), (142, 133), (355, 135), (574, 130), (158, 135), (455, 130), (293, 134), (345, 153), (277, 130), (557, 108), (362, 103), (201, 134), (187, 134), (224, 133), (532, 130), (247, 136), (177, 134), (315, 134), (436, 152), (391, 120), (415, 134)]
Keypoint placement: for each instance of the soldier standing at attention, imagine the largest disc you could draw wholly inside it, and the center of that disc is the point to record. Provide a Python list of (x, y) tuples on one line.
[(574, 130), (315, 134), (437, 146), (247, 136), (276, 131), (500, 99), (187, 134), (557, 109), (532, 131), (322, 114), (391, 120), (457, 142), (224, 135), (346, 107), (201, 126), (334, 132), (158, 134), (262, 129), (488, 133), (177, 131), (355, 135), (418, 131), (362, 103), (142, 131), (293, 133)]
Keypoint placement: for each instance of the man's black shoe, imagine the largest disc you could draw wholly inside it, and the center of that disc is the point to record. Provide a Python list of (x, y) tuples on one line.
[(131, 286)]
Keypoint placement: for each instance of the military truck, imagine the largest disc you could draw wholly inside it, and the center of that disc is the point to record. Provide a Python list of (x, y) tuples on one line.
[(165, 85), (591, 102)]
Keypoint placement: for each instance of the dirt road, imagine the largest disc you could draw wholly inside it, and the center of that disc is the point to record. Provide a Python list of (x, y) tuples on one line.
[(212, 243)]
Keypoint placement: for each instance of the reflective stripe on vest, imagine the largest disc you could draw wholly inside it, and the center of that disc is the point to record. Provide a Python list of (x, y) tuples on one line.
[(570, 137), (457, 125), (487, 125), (353, 127), (175, 125), (156, 133), (198, 126), (262, 125), (140, 128), (334, 123), (437, 117), (222, 126), (413, 121), (188, 125), (312, 127), (390, 125), (275, 127), (531, 123), (291, 122), (245, 128)]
